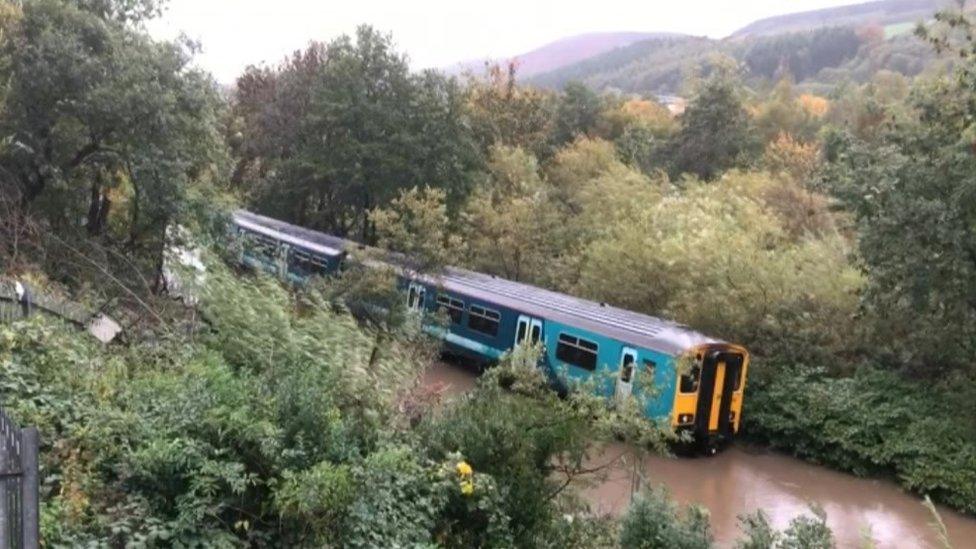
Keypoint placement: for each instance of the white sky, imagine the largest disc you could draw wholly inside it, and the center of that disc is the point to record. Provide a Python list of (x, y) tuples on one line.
[(439, 33)]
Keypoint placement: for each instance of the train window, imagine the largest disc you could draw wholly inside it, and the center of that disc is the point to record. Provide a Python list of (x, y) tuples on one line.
[(483, 320), (453, 307), (536, 333), (689, 379), (649, 368), (577, 351), (308, 263), (261, 244), (520, 333)]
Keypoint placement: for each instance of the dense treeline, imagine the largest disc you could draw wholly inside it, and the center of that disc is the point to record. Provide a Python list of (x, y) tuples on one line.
[(817, 59), (831, 234)]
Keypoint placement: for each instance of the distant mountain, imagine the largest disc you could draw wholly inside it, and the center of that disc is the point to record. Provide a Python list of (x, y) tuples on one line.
[(656, 66), (562, 52), (882, 13), (819, 49)]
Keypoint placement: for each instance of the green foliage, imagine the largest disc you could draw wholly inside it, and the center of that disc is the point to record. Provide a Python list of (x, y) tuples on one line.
[(509, 225), (653, 521), (870, 423), (804, 532), (748, 279), (81, 92), (716, 131), (801, 55), (384, 130), (577, 113), (784, 112), (757, 532), (316, 498), (532, 442), (399, 502), (911, 192), (503, 113), (416, 225), (237, 434), (123, 10)]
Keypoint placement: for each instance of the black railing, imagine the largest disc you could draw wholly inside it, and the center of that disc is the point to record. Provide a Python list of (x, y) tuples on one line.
[(19, 489)]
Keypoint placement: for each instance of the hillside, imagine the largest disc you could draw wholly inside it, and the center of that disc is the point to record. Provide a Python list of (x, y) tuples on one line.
[(881, 12), (651, 66), (819, 48), (563, 52), (816, 59)]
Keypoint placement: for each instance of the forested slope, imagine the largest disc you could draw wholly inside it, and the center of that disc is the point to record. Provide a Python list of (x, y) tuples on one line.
[(820, 53), (879, 12)]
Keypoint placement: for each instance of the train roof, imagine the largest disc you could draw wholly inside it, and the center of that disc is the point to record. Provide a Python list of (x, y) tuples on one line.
[(315, 241), (626, 326)]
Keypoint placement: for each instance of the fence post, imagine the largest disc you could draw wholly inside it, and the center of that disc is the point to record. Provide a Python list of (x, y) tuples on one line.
[(5, 462), (30, 488)]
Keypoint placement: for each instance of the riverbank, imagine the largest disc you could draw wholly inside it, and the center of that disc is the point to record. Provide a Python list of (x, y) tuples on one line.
[(745, 478)]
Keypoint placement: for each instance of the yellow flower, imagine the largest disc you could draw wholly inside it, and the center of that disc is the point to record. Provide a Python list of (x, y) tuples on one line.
[(467, 487), (464, 469)]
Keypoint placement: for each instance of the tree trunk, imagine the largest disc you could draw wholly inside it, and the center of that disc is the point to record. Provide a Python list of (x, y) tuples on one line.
[(98, 206)]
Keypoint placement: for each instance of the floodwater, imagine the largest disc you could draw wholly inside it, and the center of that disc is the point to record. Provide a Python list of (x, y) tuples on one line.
[(742, 479)]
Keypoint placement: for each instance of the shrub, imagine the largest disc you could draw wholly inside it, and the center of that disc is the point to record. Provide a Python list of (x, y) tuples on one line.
[(873, 422), (804, 532), (654, 521)]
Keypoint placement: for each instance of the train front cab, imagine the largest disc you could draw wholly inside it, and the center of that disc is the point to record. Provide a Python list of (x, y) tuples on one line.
[(709, 394)]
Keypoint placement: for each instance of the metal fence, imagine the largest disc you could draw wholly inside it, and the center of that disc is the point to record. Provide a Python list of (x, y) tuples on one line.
[(19, 488)]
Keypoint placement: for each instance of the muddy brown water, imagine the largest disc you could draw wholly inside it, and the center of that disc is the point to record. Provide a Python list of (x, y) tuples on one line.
[(742, 479)]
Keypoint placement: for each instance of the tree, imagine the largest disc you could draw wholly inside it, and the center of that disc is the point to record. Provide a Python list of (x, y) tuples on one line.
[(124, 11), (787, 155), (349, 127), (577, 113), (721, 258), (639, 129), (509, 224), (912, 194), (785, 112), (504, 113), (268, 113), (716, 131), (617, 118), (105, 125), (416, 225)]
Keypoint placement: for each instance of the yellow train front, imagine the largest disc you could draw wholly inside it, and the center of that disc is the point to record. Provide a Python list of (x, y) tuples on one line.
[(709, 393)]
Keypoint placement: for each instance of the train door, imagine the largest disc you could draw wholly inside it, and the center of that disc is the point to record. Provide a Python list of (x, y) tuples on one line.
[(528, 329), (627, 373), (416, 297), (281, 260)]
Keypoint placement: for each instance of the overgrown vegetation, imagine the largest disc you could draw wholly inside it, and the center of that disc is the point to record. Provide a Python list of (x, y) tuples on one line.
[(830, 233)]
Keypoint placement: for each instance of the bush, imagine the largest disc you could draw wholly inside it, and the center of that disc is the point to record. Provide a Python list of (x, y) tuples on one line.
[(872, 423), (804, 532), (654, 521), (239, 433)]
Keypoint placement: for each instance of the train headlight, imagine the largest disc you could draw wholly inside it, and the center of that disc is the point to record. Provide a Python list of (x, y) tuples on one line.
[(686, 419)]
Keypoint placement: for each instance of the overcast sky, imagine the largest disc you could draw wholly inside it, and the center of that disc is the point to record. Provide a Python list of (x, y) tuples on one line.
[(438, 33)]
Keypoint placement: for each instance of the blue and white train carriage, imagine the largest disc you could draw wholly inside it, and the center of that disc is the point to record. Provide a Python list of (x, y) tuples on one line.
[(581, 338)]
